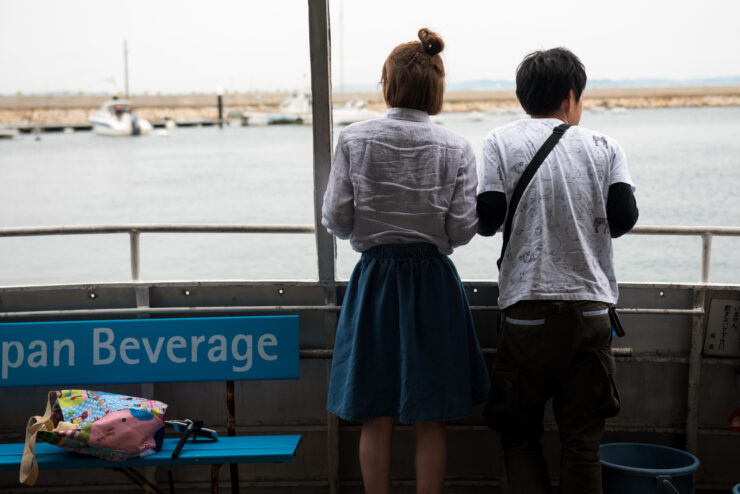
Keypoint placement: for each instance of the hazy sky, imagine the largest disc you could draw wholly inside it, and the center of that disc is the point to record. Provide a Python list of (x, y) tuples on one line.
[(183, 46)]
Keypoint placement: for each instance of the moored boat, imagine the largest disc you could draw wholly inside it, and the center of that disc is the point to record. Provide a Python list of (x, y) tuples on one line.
[(297, 109), (7, 132), (353, 111), (116, 118)]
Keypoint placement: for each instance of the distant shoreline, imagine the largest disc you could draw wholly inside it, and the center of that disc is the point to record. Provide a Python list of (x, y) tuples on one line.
[(69, 108)]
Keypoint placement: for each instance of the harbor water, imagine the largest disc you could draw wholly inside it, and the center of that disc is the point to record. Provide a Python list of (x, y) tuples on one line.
[(684, 161)]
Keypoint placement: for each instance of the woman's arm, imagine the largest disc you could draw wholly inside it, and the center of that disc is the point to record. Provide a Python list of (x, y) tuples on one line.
[(337, 214), (461, 222)]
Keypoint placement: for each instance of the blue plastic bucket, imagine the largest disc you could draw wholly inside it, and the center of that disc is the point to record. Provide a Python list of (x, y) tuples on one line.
[(640, 468), (736, 489)]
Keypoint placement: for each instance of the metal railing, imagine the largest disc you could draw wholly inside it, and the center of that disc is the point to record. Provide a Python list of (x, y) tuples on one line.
[(705, 232), (135, 230), (330, 307)]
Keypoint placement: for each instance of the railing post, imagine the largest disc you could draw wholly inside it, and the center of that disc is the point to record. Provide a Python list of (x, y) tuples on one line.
[(706, 256), (320, 38), (695, 361), (134, 237)]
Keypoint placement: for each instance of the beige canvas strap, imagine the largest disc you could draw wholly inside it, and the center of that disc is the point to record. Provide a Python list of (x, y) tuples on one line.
[(29, 467)]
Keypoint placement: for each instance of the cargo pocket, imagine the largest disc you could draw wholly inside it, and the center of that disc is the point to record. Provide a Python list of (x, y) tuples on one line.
[(603, 396), (610, 403), (589, 390)]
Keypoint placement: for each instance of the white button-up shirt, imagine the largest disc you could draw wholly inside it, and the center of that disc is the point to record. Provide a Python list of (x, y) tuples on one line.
[(401, 179)]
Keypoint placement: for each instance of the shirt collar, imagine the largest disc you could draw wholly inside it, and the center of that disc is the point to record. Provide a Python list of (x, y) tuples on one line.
[(407, 114)]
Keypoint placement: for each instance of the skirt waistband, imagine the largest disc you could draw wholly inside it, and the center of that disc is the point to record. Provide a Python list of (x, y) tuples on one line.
[(421, 250)]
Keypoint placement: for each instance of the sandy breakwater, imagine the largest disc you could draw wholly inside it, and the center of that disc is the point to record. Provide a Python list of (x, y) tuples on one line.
[(70, 108)]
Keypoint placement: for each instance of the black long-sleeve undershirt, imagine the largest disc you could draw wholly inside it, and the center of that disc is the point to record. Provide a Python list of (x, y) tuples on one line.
[(491, 208), (621, 210)]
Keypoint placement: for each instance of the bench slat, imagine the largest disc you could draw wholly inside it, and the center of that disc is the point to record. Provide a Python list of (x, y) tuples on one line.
[(238, 449)]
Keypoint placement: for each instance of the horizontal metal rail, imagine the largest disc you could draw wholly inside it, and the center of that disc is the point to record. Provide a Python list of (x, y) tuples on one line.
[(134, 230), (706, 233), (151, 228), (108, 311), (730, 231)]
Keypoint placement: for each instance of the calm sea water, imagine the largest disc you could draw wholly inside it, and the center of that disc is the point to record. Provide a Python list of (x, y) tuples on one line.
[(685, 162)]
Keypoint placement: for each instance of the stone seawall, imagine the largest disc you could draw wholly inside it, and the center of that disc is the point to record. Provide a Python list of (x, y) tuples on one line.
[(68, 108)]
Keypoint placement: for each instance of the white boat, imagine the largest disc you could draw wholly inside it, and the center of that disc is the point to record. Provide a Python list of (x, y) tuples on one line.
[(295, 110), (254, 118), (476, 116), (353, 111), (116, 118), (7, 132)]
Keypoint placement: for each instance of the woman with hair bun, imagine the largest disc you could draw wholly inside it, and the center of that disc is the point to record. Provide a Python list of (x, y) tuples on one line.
[(403, 191)]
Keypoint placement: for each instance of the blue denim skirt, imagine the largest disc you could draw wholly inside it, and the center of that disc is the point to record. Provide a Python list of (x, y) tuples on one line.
[(406, 345)]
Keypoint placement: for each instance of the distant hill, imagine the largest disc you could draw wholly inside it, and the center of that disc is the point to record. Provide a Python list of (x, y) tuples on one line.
[(502, 85), (714, 81)]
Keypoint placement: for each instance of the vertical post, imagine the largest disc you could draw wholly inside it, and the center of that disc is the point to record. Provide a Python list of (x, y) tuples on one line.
[(706, 256), (231, 431), (320, 41), (125, 68), (318, 23), (220, 111), (220, 104), (134, 237), (695, 353)]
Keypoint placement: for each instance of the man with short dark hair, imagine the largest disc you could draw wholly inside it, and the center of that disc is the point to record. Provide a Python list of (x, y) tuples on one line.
[(556, 277)]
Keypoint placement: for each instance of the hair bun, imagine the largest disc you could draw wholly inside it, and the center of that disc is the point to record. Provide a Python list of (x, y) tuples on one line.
[(431, 42)]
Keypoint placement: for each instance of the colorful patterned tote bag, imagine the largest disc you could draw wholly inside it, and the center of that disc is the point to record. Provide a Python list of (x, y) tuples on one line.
[(110, 426)]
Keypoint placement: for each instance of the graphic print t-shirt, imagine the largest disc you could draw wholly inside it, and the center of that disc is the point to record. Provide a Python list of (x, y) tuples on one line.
[(560, 247)]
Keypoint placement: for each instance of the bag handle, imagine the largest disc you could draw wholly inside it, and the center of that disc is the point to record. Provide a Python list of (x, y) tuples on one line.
[(524, 180), (29, 468)]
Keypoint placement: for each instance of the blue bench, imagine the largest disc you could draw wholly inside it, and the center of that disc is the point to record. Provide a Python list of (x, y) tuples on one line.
[(146, 351)]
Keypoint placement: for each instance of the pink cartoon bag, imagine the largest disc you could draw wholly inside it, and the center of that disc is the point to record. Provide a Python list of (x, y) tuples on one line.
[(110, 426)]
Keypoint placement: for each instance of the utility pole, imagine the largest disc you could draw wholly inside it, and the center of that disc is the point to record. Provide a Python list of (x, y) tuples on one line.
[(125, 68)]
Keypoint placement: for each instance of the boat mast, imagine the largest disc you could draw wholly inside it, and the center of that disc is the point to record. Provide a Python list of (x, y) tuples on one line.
[(125, 68), (341, 47)]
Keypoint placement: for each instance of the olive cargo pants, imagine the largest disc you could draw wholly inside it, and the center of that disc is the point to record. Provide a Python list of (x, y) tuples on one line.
[(559, 350)]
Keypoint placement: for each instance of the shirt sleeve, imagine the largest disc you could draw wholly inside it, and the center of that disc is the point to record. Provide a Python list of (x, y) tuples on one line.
[(621, 209), (491, 207), (461, 222), (618, 172), (490, 174), (337, 213)]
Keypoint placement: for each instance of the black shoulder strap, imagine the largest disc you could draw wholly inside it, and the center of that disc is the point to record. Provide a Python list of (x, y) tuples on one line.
[(524, 180)]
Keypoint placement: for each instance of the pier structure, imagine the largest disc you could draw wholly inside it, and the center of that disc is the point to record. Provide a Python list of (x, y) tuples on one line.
[(27, 112)]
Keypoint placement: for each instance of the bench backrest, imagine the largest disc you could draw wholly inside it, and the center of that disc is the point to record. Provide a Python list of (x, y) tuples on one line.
[(149, 350)]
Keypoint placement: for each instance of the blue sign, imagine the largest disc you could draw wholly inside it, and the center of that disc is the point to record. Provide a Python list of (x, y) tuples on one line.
[(149, 350)]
